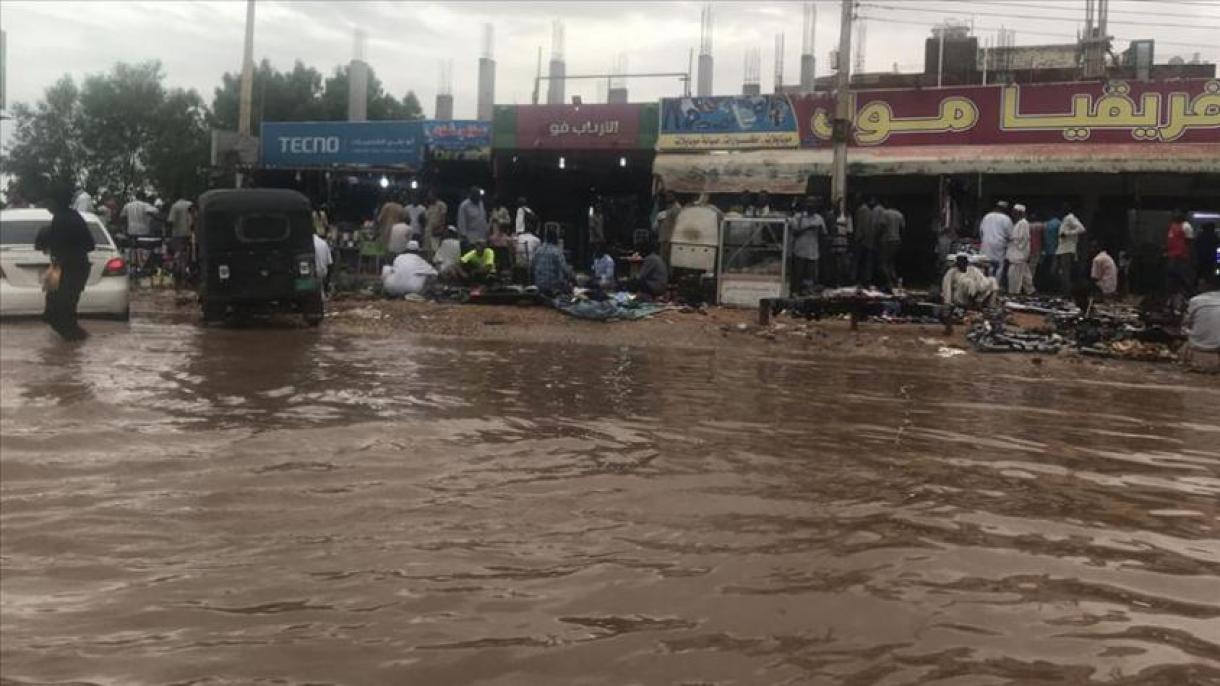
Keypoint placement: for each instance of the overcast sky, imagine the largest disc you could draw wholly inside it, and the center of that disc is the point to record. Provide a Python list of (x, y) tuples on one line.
[(406, 41)]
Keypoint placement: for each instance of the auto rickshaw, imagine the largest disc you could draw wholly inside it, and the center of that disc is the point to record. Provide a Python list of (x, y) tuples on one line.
[(256, 253)]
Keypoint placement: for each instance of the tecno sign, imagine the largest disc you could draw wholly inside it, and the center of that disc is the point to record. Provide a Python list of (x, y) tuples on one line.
[(309, 145)]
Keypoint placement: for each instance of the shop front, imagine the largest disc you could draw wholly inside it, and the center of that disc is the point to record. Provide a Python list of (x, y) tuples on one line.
[(945, 155), (567, 159), (346, 166), (351, 167)]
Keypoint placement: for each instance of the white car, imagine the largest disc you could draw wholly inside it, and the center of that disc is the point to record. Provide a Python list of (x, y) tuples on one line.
[(22, 267)]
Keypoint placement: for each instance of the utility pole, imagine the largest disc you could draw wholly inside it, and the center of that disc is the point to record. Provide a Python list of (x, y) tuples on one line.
[(246, 109), (843, 112)]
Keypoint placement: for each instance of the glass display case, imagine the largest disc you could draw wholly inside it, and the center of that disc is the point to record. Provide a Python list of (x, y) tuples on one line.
[(753, 260)]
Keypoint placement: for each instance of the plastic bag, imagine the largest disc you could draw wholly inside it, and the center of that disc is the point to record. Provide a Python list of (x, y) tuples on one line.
[(52, 277)]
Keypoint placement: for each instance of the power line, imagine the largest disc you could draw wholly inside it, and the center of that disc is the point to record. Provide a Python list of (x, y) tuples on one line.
[(1026, 18), (1195, 3), (1060, 7), (914, 22)]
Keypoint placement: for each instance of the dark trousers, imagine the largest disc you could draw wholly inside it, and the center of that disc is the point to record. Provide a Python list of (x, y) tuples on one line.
[(61, 303), (839, 269), (1064, 268), (889, 263), (1180, 279), (865, 263), (504, 258), (804, 275)]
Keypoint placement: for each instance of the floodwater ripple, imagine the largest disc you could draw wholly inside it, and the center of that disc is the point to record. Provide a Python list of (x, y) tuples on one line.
[(181, 505)]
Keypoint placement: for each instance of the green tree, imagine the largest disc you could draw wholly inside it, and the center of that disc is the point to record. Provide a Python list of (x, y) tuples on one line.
[(277, 96), (303, 95), (121, 132), (119, 112), (382, 106), (177, 154), (411, 106), (46, 145)]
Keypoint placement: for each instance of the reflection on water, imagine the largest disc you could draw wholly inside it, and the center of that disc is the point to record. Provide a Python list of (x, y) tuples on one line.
[(211, 506)]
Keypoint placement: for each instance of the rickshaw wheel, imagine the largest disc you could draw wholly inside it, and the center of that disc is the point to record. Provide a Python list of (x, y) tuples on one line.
[(313, 310), (213, 313)]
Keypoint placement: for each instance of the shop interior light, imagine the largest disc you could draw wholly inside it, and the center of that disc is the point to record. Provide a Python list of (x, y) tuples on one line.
[(622, 161), (561, 162), (384, 182)]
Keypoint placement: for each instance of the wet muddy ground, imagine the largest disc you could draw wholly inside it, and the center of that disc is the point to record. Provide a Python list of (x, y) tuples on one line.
[(284, 505)]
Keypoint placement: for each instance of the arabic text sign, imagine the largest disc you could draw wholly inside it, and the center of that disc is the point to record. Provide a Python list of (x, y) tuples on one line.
[(755, 121), (458, 139), (324, 144), (588, 127), (1116, 112)]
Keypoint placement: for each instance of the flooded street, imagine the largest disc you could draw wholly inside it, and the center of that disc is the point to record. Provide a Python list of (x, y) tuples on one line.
[(211, 506)]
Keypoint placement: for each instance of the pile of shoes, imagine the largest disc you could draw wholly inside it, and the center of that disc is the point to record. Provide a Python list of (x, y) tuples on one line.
[(991, 336)]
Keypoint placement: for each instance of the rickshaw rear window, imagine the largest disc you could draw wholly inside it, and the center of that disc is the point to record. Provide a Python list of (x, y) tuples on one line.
[(262, 228)]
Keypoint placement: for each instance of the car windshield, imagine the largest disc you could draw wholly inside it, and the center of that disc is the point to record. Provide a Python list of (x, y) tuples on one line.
[(23, 232)]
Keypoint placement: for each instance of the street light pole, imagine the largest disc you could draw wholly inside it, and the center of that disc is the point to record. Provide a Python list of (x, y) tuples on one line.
[(843, 112)]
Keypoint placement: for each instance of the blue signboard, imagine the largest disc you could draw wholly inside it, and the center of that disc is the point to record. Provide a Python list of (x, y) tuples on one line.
[(462, 139), (741, 121), (347, 143)]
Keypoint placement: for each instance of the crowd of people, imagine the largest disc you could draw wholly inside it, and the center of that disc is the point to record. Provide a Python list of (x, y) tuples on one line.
[(1027, 253), (1019, 252), (486, 247)]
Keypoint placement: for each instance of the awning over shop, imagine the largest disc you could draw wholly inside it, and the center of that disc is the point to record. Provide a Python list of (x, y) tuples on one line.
[(787, 171), (775, 171)]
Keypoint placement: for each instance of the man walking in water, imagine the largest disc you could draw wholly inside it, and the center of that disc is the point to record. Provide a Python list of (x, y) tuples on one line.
[(69, 242)]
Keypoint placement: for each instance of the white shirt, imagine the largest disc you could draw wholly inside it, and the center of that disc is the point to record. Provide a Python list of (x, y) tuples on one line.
[(1069, 232), (994, 230), (526, 245), (1203, 321), (806, 230), (1018, 243), (961, 288), (521, 211), (1104, 272), (400, 233), (321, 256), (83, 202), (416, 213), (408, 274), (137, 213), (447, 254), (180, 218)]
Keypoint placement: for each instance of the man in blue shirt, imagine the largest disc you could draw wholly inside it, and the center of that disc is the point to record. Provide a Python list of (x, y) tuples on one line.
[(552, 275), (1044, 274)]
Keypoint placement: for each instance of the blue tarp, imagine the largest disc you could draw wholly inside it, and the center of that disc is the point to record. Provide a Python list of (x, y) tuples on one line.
[(606, 310)]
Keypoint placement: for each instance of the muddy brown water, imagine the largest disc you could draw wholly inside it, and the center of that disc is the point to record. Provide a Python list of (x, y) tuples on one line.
[(191, 506)]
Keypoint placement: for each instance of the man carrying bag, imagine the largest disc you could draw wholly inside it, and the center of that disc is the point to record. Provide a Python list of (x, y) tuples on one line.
[(69, 242)]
